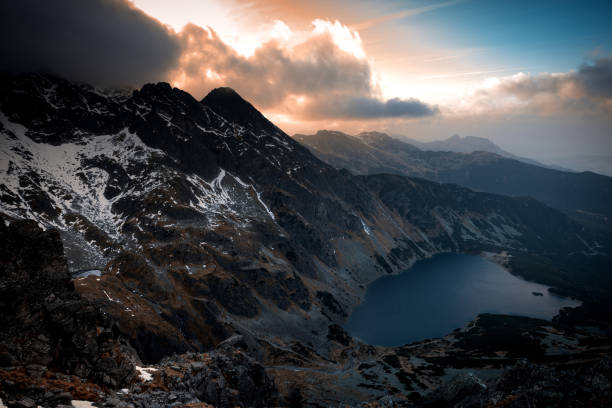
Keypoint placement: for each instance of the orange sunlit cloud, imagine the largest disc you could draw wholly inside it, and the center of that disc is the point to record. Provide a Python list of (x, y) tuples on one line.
[(320, 73), (312, 65), (398, 56)]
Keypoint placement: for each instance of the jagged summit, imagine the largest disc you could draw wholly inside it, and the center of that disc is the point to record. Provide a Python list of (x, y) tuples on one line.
[(224, 92), (226, 102), (160, 89)]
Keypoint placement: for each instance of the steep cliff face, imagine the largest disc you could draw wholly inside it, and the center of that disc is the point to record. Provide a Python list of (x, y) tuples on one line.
[(197, 220), (47, 326)]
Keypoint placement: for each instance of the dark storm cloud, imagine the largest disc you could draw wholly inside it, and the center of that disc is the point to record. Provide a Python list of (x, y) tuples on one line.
[(586, 91), (107, 42), (597, 77), (370, 108)]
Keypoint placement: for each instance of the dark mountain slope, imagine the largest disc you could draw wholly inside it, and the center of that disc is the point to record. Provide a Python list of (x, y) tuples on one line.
[(414, 199), (372, 153), (202, 225), (228, 104), (565, 190), (581, 274)]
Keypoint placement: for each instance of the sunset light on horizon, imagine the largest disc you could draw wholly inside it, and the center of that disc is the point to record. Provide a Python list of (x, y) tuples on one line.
[(509, 71)]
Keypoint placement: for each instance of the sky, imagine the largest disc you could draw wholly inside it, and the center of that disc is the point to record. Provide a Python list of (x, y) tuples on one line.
[(534, 77)]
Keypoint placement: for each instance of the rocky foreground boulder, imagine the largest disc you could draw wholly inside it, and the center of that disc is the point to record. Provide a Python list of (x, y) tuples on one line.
[(221, 378), (530, 385), (56, 347)]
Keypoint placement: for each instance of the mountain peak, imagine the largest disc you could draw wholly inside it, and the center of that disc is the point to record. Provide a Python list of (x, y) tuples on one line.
[(159, 88), (164, 91), (228, 103), (224, 92)]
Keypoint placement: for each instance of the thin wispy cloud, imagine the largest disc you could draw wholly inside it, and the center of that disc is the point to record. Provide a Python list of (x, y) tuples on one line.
[(471, 73), (433, 57), (364, 25)]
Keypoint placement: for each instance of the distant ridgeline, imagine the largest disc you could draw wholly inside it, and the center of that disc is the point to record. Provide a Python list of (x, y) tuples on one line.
[(583, 196)]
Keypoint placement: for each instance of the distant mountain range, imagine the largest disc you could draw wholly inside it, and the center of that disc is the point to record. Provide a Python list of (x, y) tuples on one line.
[(586, 196), (456, 143), (470, 144), (598, 163)]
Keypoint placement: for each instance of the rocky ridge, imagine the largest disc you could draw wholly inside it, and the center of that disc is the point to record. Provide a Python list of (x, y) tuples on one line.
[(584, 196)]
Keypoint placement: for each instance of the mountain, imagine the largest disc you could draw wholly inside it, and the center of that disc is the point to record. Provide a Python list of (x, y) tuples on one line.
[(584, 196), (206, 233), (597, 163), (470, 144), (458, 144)]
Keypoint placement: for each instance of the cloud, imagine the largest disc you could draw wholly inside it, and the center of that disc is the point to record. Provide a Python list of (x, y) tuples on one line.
[(273, 72), (107, 42), (586, 92), (320, 73), (369, 108), (596, 78), (402, 14)]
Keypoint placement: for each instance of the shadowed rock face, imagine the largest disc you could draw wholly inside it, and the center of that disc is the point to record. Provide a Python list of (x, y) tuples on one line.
[(45, 324), (227, 103), (527, 384), (224, 378)]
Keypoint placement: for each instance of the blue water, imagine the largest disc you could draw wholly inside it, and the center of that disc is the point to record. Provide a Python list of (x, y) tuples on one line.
[(440, 294)]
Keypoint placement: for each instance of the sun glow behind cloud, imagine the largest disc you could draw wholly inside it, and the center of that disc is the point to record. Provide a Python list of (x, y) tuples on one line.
[(436, 76), (243, 28), (340, 65), (345, 38)]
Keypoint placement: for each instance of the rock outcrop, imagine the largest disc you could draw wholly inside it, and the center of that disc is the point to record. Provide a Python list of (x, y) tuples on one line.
[(47, 327)]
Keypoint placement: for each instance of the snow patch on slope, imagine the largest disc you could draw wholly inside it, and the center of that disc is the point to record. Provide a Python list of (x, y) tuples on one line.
[(62, 174), (145, 373), (226, 195)]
